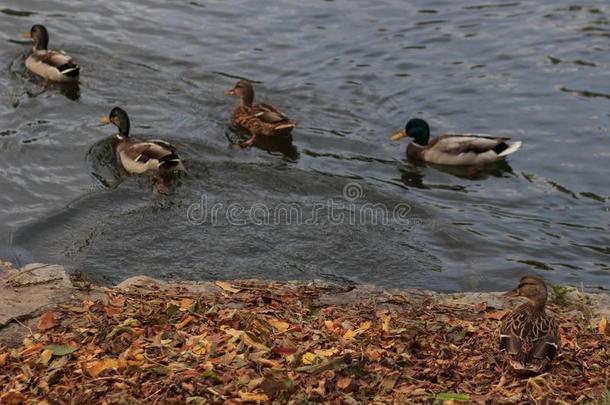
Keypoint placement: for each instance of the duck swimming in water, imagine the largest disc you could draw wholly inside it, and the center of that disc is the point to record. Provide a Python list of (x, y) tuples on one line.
[(453, 150), (50, 64)]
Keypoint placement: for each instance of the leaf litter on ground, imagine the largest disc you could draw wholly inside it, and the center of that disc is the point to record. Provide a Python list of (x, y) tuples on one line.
[(259, 342)]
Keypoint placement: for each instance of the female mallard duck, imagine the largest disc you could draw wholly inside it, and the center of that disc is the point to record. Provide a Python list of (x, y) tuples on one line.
[(139, 156), (529, 335), (51, 64), (259, 119), (453, 150)]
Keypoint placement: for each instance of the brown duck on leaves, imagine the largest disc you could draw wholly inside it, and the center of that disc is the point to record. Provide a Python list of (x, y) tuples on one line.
[(529, 336), (259, 119)]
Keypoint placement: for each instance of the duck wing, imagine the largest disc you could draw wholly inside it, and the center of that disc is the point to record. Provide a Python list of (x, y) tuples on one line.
[(145, 155), (457, 144), (163, 144), (57, 59), (270, 115)]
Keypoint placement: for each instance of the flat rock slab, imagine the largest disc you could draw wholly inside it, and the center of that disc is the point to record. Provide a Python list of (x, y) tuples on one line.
[(26, 292)]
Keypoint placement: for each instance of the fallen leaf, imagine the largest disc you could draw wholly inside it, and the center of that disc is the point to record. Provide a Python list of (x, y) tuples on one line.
[(185, 303), (249, 341), (47, 321), (496, 315), (227, 287), (184, 322), (95, 368), (603, 328), (3, 357), (252, 396), (308, 358), (45, 356), (343, 382), (61, 350), (120, 329), (279, 325), (284, 351), (448, 396), (112, 311), (31, 349), (12, 398)]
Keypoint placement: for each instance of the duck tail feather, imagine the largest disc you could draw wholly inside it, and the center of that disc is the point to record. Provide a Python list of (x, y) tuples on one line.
[(512, 148)]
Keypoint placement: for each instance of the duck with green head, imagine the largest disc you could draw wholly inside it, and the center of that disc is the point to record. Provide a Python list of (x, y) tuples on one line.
[(139, 156), (50, 64), (529, 336), (453, 150)]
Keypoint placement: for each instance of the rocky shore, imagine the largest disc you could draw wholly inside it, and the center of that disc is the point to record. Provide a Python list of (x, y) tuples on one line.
[(148, 341)]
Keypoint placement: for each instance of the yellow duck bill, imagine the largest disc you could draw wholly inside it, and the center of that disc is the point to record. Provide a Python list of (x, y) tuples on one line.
[(399, 135), (105, 120)]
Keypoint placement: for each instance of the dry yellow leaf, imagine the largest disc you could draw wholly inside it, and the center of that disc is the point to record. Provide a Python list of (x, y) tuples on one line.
[(185, 303), (603, 328), (227, 287), (279, 325), (45, 356), (349, 334), (253, 396), (364, 326), (249, 341), (3, 359), (326, 352), (385, 322), (329, 325), (308, 358)]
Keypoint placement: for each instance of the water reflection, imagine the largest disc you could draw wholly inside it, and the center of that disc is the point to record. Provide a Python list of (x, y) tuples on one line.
[(272, 144)]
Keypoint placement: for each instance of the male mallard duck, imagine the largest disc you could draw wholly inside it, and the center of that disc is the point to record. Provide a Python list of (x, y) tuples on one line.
[(139, 156), (259, 119), (51, 64), (529, 335), (453, 150)]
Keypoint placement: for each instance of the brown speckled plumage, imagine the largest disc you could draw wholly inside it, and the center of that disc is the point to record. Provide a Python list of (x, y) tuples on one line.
[(529, 336), (259, 119)]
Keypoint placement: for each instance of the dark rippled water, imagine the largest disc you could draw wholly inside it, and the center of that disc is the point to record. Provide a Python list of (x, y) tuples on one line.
[(351, 73)]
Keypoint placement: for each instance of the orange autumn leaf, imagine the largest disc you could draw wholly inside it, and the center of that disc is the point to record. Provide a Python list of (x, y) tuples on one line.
[(47, 320), (32, 349), (496, 315), (95, 368), (343, 383), (186, 303), (184, 322), (110, 310), (603, 327)]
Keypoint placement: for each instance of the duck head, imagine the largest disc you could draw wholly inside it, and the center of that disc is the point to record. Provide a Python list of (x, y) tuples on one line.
[(118, 117), (417, 129), (39, 35), (244, 90), (533, 288)]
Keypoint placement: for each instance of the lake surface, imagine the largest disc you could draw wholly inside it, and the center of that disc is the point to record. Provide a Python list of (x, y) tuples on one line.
[(351, 73)]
